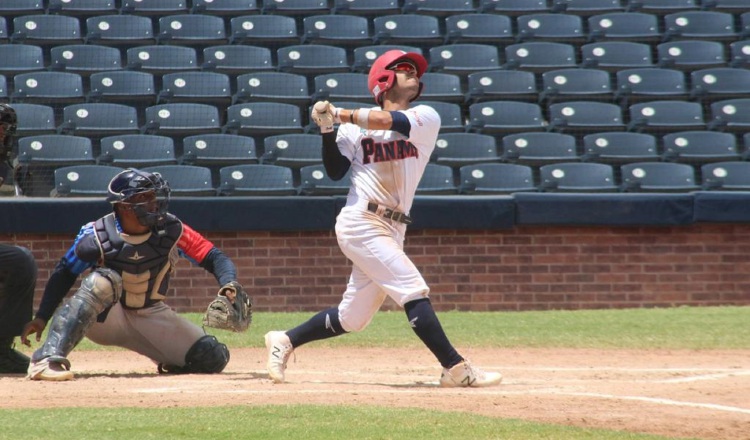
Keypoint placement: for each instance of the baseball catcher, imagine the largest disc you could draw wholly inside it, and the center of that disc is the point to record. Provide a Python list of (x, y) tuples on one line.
[(232, 309)]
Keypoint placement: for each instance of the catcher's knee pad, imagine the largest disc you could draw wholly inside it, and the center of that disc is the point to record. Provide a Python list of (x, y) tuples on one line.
[(102, 287), (207, 355)]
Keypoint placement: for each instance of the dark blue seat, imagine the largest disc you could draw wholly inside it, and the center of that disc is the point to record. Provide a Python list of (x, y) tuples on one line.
[(616, 55), (83, 180), (225, 8), (409, 29), (54, 150), (161, 60), (585, 117), (635, 27), (99, 119), (559, 28), (186, 180), (479, 28), (271, 31), (618, 147), (703, 25), (512, 7), (256, 180), (344, 86), (650, 84), (34, 119), (666, 116), (310, 59), (193, 30), (726, 176), (338, 30), (459, 149), (46, 30), (689, 55), (366, 55), (731, 115), (314, 181), (218, 149), (715, 84), (658, 177), (122, 86), (293, 150), (540, 56), (495, 178), (464, 58), (237, 59), (154, 8), (440, 86), (13, 8), (577, 177), (503, 117), (60, 88), (20, 58), (136, 150), (260, 119), (81, 8), (85, 59), (200, 87), (700, 147), (576, 84), (181, 119), (120, 30), (438, 8), (366, 8), (536, 149), (284, 87), (437, 180), (498, 85)]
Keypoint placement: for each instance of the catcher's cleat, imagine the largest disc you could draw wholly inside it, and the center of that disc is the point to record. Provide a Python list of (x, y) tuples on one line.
[(279, 349), (467, 375), (12, 361), (50, 371)]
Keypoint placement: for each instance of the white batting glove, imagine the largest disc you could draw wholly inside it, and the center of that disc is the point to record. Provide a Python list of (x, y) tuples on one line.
[(323, 116)]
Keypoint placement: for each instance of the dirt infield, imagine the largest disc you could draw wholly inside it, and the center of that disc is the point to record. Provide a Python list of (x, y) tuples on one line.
[(702, 394)]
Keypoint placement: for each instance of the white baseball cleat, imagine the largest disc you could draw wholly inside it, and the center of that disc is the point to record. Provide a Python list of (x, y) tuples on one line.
[(467, 375), (279, 349), (51, 371)]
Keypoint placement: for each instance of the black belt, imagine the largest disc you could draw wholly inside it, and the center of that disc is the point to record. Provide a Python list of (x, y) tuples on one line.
[(389, 213)]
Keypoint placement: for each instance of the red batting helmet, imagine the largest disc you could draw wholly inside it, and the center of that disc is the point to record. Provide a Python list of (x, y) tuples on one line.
[(381, 79)]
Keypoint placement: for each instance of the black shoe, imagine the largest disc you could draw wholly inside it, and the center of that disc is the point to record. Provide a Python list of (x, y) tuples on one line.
[(12, 361)]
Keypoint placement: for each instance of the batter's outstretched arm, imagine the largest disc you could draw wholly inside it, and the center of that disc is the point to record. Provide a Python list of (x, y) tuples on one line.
[(336, 164)]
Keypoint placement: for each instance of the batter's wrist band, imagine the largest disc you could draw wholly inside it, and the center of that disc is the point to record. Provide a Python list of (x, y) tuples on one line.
[(336, 115), (363, 118)]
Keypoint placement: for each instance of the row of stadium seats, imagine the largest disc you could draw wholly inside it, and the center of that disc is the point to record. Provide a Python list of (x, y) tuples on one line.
[(481, 179), (438, 8), (143, 88), (354, 31)]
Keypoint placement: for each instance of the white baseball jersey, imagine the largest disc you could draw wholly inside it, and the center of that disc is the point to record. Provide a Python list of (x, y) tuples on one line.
[(386, 166)]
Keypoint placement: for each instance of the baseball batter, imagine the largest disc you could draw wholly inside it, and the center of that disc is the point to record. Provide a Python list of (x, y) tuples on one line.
[(387, 149), (131, 253)]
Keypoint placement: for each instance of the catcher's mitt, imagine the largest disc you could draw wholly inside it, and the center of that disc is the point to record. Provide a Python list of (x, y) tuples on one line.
[(232, 309)]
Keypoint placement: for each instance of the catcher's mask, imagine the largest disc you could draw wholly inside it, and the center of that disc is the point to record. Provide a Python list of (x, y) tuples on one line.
[(9, 124), (382, 77), (146, 194)]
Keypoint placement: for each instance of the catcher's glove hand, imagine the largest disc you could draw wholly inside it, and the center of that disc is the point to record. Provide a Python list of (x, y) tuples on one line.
[(232, 309)]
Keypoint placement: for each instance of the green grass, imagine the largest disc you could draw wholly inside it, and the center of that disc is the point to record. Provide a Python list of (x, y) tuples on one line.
[(676, 328), (283, 422)]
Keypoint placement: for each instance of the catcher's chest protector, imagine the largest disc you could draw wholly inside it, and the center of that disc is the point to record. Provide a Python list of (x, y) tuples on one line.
[(144, 266)]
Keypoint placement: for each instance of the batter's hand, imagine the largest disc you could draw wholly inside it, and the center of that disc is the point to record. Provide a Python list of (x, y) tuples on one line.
[(37, 326), (323, 116)]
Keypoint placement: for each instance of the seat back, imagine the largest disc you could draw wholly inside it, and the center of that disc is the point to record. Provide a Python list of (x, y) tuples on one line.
[(312, 59), (617, 147), (700, 146), (314, 181), (586, 116), (578, 177), (666, 116), (186, 180), (540, 56), (85, 59), (501, 117), (496, 178), (120, 30), (275, 86), (726, 176), (218, 149), (124, 86), (237, 59), (293, 150), (458, 149), (256, 180), (182, 119), (531, 148), (48, 87), (54, 150), (616, 55), (658, 177), (272, 31), (631, 26), (478, 28), (436, 180), (199, 87), (137, 150), (34, 119), (336, 30), (161, 60), (493, 85), (46, 30), (192, 29), (99, 119), (83, 180), (19, 58), (691, 54), (551, 27), (464, 58)]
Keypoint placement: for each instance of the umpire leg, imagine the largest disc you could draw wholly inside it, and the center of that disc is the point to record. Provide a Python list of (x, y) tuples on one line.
[(18, 271)]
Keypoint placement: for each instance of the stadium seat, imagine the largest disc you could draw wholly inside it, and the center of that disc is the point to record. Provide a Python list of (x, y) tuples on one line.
[(577, 177), (512, 7), (691, 55), (3, 31), (726, 176), (293, 150), (575, 84), (82, 8), (256, 180), (137, 150), (503, 117), (54, 150), (731, 6), (51, 88), (540, 56), (99, 119), (312, 59), (616, 55), (699, 147), (366, 8), (260, 119), (289, 88), (85, 59), (451, 115), (20, 58), (459, 149), (3, 87), (559, 28), (122, 86), (295, 8), (13, 8), (658, 177), (650, 84), (153, 8), (46, 30), (585, 8), (181, 119), (120, 31), (438, 8), (585, 117), (34, 119), (731, 115), (619, 147), (661, 7), (201, 87), (715, 84), (739, 53), (194, 30), (498, 85), (226, 8), (366, 55), (314, 181), (437, 180), (83, 180), (495, 178), (536, 149), (409, 29), (342, 87), (161, 60), (478, 29), (702, 25), (270, 31), (347, 31), (237, 59), (439, 86), (218, 150), (186, 180), (665, 116), (635, 27), (464, 58)]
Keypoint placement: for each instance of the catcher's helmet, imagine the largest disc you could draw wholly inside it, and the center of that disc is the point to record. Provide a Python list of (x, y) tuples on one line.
[(9, 120), (132, 182), (380, 79)]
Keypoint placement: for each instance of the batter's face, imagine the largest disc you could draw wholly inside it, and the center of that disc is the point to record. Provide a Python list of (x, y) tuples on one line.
[(407, 80)]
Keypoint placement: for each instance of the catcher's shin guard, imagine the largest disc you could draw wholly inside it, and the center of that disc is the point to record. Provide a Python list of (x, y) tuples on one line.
[(99, 290)]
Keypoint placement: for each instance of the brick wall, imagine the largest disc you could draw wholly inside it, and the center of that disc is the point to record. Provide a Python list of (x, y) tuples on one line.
[(526, 268)]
